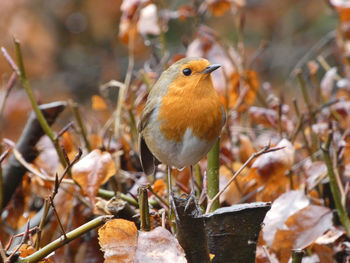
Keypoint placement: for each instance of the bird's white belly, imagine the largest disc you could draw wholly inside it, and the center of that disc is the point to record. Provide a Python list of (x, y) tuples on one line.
[(178, 154)]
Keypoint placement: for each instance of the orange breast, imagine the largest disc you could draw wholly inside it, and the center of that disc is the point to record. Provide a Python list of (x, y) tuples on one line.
[(193, 105)]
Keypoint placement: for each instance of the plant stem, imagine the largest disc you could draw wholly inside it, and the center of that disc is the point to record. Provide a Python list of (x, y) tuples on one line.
[(82, 131), (213, 174), (266, 149), (309, 107), (343, 216), (144, 209), (40, 254), (25, 83)]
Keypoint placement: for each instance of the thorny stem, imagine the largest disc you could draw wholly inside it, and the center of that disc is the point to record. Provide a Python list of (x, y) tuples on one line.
[(144, 209), (25, 83), (343, 216), (266, 149), (213, 174), (40, 254)]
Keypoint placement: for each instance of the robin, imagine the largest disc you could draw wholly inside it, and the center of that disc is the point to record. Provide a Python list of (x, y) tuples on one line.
[(183, 117)]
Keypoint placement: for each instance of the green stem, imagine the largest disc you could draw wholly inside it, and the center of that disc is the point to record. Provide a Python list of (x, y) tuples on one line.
[(40, 254), (144, 209), (343, 216), (213, 174), (40, 116)]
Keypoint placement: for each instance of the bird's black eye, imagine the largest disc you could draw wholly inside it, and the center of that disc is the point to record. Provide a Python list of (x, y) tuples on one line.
[(187, 71)]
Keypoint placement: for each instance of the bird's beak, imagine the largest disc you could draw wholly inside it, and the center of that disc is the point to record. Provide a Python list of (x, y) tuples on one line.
[(211, 68)]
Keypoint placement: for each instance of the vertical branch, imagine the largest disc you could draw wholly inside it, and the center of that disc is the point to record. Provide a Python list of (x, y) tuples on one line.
[(213, 174)]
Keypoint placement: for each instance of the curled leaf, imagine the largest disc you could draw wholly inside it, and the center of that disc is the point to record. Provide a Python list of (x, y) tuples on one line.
[(92, 171)]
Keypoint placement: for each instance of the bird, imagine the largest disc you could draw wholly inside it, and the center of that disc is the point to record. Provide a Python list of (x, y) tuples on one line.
[(182, 118)]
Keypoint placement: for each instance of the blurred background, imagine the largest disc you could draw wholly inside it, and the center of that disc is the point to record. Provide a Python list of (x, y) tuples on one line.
[(71, 47)]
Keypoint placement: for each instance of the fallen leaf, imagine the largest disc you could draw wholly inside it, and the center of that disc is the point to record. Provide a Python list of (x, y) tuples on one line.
[(269, 118), (118, 241), (158, 246), (276, 163), (315, 172), (92, 171), (330, 236), (301, 230), (284, 206)]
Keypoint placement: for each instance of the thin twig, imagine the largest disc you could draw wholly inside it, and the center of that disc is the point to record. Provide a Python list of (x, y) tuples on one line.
[(24, 238), (266, 149), (10, 84), (42, 223), (161, 199), (81, 128), (9, 60), (57, 217)]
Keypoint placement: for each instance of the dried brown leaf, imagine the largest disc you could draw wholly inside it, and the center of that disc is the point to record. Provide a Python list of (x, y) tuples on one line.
[(276, 163), (301, 230), (92, 171), (283, 207), (118, 241)]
